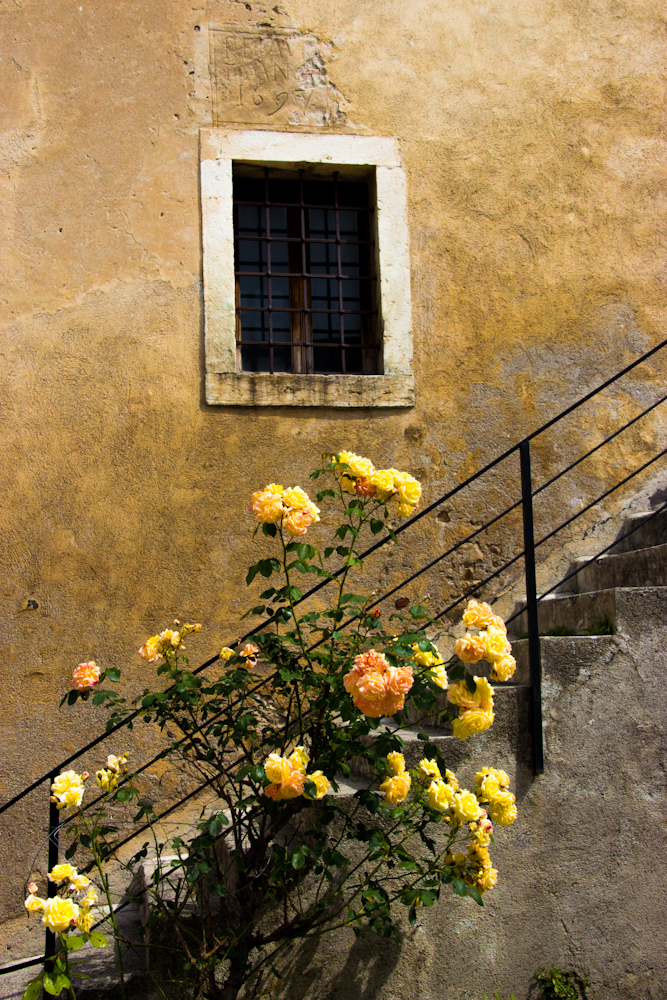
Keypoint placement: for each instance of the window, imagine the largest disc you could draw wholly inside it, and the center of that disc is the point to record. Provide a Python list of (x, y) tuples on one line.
[(306, 277)]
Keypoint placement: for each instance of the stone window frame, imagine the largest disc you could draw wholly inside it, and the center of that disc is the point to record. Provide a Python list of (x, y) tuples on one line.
[(226, 385)]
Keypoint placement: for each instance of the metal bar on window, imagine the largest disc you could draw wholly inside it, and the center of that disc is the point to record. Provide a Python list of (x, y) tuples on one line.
[(267, 226)]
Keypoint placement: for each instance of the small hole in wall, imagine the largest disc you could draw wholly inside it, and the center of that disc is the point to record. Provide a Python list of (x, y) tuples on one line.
[(60, 230), (197, 28), (161, 215)]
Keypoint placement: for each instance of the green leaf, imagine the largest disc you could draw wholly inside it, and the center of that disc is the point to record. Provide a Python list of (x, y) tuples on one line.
[(257, 772), (98, 699), (310, 789), (124, 794), (297, 859), (72, 697), (33, 990), (98, 940), (55, 984), (71, 850), (412, 915), (251, 574), (112, 674), (270, 530), (470, 683), (459, 887), (476, 895), (243, 773), (376, 526), (74, 941), (327, 552)]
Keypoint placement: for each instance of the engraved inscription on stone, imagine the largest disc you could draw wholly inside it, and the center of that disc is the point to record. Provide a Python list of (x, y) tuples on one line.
[(272, 75)]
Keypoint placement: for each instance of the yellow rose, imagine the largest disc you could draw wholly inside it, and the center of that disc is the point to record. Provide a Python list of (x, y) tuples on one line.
[(299, 759), (383, 481), (275, 488), (226, 653), (409, 489), (438, 675), (428, 769), (488, 787), (496, 646), (440, 795), (487, 879), (465, 806), (60, 914), (34, 903), (424, 658), (502, 809), (321, 783), (357, 468), (79, 882), (478, 615), (89, 899), (469, 648), (396, 762), (277, 768), (67, 790), (396, 788), (116, 763), (107, 781), (475, 720), (501, 778), (503, 669), (296, 498), (482, 697), (85, 921), (63, 873)]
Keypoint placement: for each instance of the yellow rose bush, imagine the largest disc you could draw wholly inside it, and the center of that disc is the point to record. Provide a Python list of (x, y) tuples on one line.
[(323, 689), (70, 916)]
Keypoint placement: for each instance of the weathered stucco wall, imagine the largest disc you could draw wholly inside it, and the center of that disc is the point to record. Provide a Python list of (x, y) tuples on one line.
[(532, 139)]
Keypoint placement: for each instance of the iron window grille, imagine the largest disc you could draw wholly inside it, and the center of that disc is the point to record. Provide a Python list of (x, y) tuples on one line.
[(305, 289)]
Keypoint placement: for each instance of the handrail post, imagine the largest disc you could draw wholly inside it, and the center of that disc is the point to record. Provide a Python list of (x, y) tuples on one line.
[(531, 602), (52, 889)]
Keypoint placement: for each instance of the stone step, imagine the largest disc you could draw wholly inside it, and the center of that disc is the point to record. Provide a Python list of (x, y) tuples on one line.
[(653, 532), (636, 568), (590, 614)]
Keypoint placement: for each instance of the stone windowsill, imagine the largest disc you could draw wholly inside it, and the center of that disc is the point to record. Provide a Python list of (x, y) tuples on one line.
[(241, 389)]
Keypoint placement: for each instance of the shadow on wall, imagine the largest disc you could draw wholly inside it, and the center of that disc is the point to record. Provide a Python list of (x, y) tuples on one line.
[(371, 961)]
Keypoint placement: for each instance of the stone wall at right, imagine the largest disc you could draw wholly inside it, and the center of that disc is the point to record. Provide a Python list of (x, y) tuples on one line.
[(581, 872)]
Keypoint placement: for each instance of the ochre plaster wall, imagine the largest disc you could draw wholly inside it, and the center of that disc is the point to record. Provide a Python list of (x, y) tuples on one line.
[(532, 138)]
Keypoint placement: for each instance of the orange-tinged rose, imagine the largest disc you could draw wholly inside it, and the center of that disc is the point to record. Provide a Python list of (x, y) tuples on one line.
[(478, 615), (86, 676), (297, 522), (469, 648)]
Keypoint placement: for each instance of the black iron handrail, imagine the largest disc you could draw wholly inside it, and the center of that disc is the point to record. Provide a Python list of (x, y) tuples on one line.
[(528, 554)]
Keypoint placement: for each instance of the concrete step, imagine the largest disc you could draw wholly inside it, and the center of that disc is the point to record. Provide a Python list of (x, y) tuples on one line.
[(590, 614), (653, 532), (636, 568)]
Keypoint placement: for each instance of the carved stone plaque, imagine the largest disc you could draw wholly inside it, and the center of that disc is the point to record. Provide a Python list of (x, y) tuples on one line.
[(264, 74)]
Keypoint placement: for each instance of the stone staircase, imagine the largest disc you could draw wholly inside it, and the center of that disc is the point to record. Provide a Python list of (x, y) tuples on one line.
[(608, 636)]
